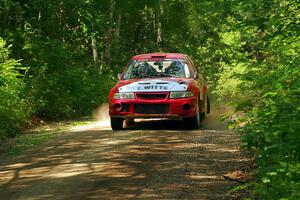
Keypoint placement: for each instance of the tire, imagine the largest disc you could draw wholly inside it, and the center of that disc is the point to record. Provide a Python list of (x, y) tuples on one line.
[(116, 123), (193, 122), (206, 109), (208, 105)]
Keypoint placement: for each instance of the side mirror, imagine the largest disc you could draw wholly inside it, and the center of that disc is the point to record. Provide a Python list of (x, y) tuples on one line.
[(119, 76), (196, 75)]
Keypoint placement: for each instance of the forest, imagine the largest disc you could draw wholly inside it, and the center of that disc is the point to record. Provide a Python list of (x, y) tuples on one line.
[(59, 58)]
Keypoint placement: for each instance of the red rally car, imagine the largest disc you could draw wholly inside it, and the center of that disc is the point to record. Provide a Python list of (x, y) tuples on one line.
[(159, 85)]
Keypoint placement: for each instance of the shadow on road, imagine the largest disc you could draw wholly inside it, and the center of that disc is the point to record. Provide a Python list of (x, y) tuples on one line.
[(151, 160)]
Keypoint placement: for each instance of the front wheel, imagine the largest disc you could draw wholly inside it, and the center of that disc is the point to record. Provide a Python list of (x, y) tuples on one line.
[(193, 122), (116, 123)]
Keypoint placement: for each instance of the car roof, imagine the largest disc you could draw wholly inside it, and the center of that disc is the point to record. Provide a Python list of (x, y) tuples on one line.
[(159, 55)]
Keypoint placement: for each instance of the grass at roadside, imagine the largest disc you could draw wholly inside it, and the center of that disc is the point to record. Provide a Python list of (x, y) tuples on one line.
[(38, 136), (27, 141)]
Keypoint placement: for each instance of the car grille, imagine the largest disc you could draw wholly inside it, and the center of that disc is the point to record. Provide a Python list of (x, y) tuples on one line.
[(151, 95), (125, 107), (151, 108)]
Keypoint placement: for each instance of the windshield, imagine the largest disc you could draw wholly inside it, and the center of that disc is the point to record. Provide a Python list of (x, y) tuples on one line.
[(161, 68)]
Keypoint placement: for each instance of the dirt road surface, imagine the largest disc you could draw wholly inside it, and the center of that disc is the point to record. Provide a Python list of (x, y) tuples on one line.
[(151, 160)]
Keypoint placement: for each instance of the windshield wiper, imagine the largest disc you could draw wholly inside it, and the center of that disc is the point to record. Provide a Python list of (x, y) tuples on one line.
[(147, 76), (167, 75), (155, 75), (144, 76)]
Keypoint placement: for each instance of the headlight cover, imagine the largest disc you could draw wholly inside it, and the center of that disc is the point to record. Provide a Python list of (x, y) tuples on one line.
[(176, 95), (124, 95)]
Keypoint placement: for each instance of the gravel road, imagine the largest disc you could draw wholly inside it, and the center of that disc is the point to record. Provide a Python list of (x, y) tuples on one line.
[(150, 160)]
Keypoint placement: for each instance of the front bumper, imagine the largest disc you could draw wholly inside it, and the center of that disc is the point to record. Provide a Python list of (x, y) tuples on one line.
[(171, 108)]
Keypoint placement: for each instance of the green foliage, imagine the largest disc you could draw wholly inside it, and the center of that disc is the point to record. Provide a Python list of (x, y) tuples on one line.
[(53, 40), (13, 106), (247, 50), (73, 93), (271, 42), (261, 78)]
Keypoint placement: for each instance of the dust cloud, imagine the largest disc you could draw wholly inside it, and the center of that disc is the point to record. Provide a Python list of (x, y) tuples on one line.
[(101, 120), (101, 113), (101, 116), (218, 117)]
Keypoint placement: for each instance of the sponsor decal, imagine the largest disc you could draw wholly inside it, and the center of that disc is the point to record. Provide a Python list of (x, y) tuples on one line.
[(152, 87)]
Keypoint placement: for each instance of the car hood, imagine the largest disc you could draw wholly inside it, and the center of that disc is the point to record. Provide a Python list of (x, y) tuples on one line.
[(153, 85)]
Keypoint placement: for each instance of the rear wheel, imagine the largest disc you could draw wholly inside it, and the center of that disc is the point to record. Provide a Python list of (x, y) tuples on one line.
[(116, 123), (208, 105), (206, 109)]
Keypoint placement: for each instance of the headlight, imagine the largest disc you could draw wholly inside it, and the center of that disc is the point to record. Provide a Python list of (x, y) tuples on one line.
[(125, 95), (175, 95)]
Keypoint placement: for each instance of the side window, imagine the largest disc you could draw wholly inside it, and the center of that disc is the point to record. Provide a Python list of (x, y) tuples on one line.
[(187, 71), (191, 66)]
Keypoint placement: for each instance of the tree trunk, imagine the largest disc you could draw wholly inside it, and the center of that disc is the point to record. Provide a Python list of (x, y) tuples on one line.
[(159, 25), (106, 48), (39, 22), (95, 51), (118, 26), (108, 33)]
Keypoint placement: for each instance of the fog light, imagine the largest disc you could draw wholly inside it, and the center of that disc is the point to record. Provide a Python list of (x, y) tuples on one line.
[(186, 106), (117, 107)]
